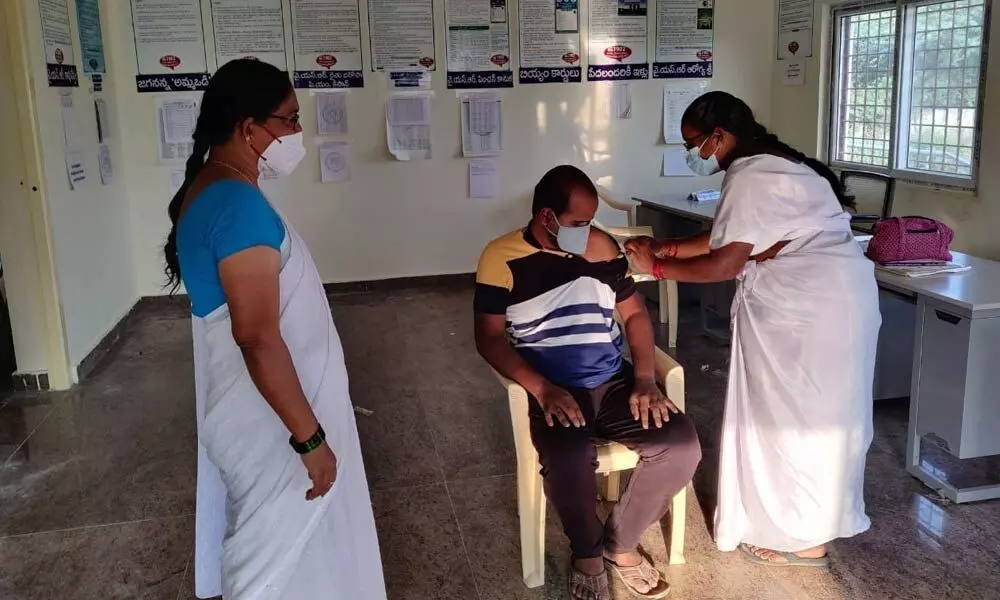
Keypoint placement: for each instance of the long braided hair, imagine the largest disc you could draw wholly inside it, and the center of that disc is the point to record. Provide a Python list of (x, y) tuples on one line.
[(241, 89), (729, 113)]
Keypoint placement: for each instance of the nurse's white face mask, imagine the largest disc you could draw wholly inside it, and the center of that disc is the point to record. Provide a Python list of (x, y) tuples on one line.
[(703, 166), (283, 154)]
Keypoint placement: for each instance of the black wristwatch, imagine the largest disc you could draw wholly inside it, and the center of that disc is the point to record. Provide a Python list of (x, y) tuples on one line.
[(309, 445)]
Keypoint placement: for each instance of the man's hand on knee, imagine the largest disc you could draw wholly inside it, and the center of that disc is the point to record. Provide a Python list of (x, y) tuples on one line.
[(647, 400)]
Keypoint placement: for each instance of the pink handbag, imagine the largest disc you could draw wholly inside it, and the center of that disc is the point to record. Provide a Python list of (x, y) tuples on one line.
[(903, 239)]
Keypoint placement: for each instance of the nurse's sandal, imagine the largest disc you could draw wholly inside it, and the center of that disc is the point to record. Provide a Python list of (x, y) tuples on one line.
[(642, 580), (753, 554)]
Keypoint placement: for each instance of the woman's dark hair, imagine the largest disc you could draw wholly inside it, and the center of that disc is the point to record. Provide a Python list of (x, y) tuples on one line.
[(241, 89), (555, 187), (727, 112)]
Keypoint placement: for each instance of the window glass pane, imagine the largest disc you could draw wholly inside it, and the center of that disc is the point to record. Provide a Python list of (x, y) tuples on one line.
[(865, 65), (944, 88)]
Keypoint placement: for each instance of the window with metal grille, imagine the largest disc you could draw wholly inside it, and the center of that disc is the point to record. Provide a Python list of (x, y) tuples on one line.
[(907, 86)]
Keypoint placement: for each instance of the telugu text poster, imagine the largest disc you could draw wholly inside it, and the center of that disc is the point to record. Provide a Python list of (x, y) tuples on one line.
[(249, 29), (326, 38), (685, 39), (402, 34), (478, 44), (618, 36), (57, 38), (549, 41), (169, 46)]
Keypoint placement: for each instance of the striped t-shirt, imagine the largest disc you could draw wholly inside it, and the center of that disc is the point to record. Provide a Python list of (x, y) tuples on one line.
[(559, 307)]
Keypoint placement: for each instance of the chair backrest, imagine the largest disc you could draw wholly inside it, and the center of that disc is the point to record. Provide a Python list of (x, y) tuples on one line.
[(617, 202), (872, 192)]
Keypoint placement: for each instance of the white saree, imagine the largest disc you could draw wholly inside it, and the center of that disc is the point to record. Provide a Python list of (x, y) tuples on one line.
[(257, 538)]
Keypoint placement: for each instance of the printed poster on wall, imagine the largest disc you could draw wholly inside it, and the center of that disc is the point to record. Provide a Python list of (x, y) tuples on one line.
[(169, 46), (401, 34), (249, 29), (549, 41), (58, 40), (88, 24), (685, 39), (795, 29), (478, 44), (618, 35), (326, 38)]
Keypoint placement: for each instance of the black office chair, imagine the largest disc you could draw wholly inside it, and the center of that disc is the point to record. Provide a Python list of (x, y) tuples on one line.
[(872, 194)]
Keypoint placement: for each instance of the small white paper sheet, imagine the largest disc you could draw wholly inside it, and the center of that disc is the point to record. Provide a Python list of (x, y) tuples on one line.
[(74, 168), (176, 181), (103, 128), (484, 178), (104, 162), (71, 130), (334, 161), (795, 73), (408, 125), (482, 125), (176, 119), (620, 101), (677, 96), (331, 113), (675, 162)]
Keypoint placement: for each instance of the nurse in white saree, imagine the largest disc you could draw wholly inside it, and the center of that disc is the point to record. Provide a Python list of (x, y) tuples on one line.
[(283, 509), (798, 418)]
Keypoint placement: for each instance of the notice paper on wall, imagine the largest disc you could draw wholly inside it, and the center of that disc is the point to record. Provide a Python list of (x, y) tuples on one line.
[(326, 38), (549, 41), (74, 168), (478, 44), (331, 113), (101, 114), (685, 39), (408, 125), (334, 161), (57, 38), (402, 34), (104, 163), (176, 119), (88, 24), (795, 73), (484, 178), (169, 46), (482, 125), (175, 181), (675, 162), (249, 29), (71, 129), (677, 96), (617, 40), (619, 101), (795, 29)]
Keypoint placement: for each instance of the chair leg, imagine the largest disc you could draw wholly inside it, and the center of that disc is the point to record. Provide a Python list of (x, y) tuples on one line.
[(613, 486), (678, 517), (671, 309), (531, 510)]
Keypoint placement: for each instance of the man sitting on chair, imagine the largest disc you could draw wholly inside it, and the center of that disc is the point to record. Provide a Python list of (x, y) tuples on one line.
[(545, 302)]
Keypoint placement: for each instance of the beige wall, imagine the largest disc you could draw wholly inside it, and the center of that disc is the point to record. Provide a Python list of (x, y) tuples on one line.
[(409, 219), (799, 113)]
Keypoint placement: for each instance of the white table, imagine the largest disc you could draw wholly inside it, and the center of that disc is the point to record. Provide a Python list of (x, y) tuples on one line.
[(939, 344)]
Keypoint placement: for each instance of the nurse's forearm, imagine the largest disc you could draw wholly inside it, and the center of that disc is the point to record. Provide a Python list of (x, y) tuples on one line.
[(700, 269), (273, 372), (688, 247)]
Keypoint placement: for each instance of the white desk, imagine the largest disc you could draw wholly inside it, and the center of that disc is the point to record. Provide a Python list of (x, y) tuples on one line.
[(939, 342)]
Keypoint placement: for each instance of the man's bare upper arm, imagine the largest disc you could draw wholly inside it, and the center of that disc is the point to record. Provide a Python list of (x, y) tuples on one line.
[(489, 326)]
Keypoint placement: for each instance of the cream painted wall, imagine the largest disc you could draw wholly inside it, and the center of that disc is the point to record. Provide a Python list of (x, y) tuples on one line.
[(799, 119), (90, 225), (408, 219)]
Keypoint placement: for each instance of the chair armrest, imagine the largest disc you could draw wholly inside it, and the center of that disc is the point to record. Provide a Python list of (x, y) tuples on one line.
[(517, 398), (671, 374)]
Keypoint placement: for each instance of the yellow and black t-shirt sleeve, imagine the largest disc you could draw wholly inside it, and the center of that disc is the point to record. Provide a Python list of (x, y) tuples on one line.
[(494, 281)]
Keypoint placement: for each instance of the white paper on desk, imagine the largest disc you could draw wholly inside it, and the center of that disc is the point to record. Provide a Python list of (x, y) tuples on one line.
[(620, 101), (331, 113), (176, 181), (71, 130), (103, 128), (74, 168), (334, 161), (104, 162), (176, 119), (675, 162), (408, 125), (482, 125), (677, 96), (484, 178)]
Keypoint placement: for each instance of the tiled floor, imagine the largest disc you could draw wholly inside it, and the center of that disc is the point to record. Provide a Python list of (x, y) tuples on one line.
[(97, 488)]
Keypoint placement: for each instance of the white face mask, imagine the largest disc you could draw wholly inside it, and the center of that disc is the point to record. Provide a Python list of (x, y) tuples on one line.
[(572, 239), (703, 166), (283, 154)]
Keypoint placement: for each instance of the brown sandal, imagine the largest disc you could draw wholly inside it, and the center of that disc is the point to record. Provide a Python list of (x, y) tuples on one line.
[(644, 572), (595, 587)]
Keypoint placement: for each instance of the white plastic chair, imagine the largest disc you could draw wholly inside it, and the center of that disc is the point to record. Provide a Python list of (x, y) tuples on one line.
[(629, 207), (612, 458), (667, 289)]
